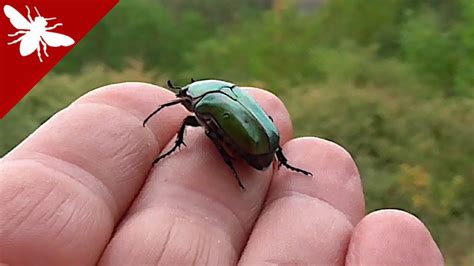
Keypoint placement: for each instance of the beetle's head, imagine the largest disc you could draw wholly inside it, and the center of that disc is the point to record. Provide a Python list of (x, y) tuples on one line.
[(179, 91), (182, 92)]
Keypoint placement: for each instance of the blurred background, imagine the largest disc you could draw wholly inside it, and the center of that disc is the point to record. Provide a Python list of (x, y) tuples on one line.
[(391, 81)]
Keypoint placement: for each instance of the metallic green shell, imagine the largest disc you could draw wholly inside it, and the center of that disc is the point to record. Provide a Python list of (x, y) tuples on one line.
[(238, 115), (199, 88)]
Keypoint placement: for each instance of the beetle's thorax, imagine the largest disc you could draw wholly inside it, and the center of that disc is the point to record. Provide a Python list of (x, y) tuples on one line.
[(188, 104), (186, 100)]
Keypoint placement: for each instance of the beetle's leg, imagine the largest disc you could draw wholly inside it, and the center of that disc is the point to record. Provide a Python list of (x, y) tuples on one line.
[(188, 121), (161, 107), (225, 156), (283, 161)]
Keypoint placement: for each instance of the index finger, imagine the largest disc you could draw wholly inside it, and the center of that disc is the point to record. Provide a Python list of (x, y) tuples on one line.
[(66, 186)]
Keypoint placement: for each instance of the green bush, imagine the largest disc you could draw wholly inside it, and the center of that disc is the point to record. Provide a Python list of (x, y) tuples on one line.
[(464, 80), (266, 51), (262, 49), (364, 22), (139, 29), (433, 52), (156, 32), (413, 153), (441, 52)]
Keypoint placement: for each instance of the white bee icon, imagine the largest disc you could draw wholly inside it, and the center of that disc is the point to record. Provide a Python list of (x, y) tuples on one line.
[(34, 32)]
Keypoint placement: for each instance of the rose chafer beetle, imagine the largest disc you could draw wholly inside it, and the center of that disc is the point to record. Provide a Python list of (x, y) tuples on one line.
[(233, 120)]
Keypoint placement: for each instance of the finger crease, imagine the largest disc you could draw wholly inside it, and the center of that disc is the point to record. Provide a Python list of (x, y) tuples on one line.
[(107, 198), (290, 194), (125, 111)]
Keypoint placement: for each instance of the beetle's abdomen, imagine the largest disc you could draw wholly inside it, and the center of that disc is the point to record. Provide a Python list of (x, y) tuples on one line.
[(236, 124)]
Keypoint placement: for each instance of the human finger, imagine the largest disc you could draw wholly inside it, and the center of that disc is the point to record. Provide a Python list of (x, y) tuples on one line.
[(392, 237), (66, 186), (308, 220)]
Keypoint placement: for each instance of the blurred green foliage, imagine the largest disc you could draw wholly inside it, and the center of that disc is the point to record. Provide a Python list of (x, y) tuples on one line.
[(391, 81)]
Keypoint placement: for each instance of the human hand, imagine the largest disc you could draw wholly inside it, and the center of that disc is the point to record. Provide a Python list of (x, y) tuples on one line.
[(80, 191)]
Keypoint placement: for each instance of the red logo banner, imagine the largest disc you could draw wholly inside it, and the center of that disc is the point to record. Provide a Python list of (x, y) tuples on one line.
[(35, 36)]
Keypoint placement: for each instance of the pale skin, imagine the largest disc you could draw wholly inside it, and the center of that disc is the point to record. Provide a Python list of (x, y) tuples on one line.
[(81, 190)]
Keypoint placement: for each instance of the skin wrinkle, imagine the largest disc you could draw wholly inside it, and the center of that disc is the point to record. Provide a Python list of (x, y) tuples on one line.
[(313, 199), (120, 92), (204, 249), (16, 195), (196, 247), (189, 191), (30, 211), (104, 191), (188, 251), (197, 250), (52, 211), (57, 181), (258, 213), (208, 255), (97, 97), (186, 214), (353, 255), (128, 150), (127, 112), (292, 193), (100, 172), (165, 244), (19, 210), (93, 223), (177, 222), (135, 248), (278, 204), (62, 232), (61, 229)]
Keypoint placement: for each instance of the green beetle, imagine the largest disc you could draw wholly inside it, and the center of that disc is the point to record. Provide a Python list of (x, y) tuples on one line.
[(232, 119)]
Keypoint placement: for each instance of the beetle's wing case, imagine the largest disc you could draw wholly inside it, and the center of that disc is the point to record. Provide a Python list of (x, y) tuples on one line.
[(201, 87), (241, 123), (263, 119)]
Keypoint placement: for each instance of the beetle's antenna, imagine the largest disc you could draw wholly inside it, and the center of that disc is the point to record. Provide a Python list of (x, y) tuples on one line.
[(192, 80), (171, 86)]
